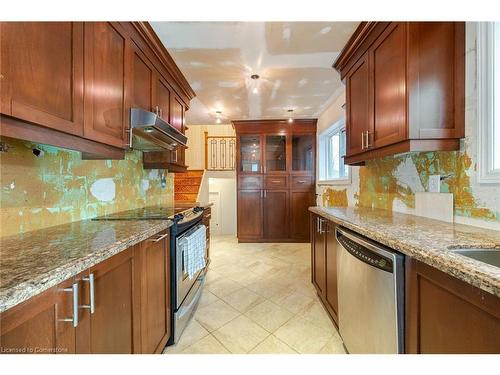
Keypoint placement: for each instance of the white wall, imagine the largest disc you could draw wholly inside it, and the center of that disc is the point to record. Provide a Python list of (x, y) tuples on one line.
[(224, 183)]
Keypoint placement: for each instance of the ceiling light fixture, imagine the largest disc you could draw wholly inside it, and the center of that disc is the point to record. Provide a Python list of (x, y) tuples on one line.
[(255, 77), (218, 114), (290, 118)]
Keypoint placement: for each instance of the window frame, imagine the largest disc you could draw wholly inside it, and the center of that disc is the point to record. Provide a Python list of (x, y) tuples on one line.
[(487, 174), (324, 152)]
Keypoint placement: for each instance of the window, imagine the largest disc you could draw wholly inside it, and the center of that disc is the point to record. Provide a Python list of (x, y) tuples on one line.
[(332, 148), (488, 86)]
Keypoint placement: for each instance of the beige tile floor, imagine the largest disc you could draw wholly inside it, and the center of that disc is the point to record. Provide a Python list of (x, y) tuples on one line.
[(258, 298)]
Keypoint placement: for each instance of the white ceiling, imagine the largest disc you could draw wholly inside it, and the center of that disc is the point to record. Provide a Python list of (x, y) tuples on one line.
[(293, 60)]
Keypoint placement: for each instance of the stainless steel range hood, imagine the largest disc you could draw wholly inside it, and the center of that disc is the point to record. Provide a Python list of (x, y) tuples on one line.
[(149, 132)]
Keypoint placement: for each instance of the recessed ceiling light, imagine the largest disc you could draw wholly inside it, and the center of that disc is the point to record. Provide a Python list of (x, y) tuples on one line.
[(217, 121), (255, 84), (290, 119)]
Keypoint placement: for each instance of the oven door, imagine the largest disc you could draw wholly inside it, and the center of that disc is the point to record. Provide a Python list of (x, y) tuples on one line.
[(184, 283)]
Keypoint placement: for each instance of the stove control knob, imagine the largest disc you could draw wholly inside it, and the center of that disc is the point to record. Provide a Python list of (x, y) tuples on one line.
[(197, 209), (178, 217)]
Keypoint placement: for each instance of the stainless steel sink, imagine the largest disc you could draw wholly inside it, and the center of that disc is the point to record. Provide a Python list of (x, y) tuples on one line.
[(490, 256)]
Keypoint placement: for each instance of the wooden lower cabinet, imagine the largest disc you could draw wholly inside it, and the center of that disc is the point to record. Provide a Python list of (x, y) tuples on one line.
[(131, 309), (324, 263), (331, 295), (207, 215), (300, 201), (317, 254), (155, 295), (447, 315), (250, 215), (37, 326), (276, 214)]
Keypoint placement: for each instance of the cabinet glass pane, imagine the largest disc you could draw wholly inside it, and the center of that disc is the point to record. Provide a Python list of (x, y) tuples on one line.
[(303, 152), (275, 153), (250, 153)]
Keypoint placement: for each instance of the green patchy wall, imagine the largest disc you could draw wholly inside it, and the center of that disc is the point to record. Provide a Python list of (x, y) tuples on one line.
[(58, 187)]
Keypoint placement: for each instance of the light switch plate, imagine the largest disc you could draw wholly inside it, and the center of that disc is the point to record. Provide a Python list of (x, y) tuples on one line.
[(434, 184)]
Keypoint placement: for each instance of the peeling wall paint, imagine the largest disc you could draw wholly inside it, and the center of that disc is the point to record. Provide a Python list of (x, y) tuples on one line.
[(391, 183), (59, 187)]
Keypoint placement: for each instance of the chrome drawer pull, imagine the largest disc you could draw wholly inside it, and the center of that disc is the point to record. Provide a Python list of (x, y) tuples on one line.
[(91, 306), (301, 182), (74, 318), (275, 181), (159, 238)]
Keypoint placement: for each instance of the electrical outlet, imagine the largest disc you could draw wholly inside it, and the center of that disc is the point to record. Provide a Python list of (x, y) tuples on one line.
[(434, 184)]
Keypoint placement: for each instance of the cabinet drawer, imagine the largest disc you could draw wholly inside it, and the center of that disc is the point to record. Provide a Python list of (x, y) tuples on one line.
[(302, 182), (250, 182), (276, 182)]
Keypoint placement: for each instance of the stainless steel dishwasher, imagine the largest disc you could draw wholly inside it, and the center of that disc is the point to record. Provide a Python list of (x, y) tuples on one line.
[(370, 295)]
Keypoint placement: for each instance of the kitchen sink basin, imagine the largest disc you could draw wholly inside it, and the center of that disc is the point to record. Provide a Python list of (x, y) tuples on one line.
[(490, 256)]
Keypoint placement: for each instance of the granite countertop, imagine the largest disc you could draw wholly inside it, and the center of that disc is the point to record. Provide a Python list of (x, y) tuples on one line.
[(426, 240), (33, 262)]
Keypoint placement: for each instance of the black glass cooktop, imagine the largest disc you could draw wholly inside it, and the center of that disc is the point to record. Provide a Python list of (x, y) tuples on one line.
[(145, 213)]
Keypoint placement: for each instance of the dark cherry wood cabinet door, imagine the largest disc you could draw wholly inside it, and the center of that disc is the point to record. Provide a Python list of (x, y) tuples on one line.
[(447, 315), (331, 296), (250, 215), (318, 255), (163, 99), (436, 79), (155, 294), (107, 67), (358, 99), (389, 86), (276, 214), (142, 80), (37, 327), (177, 113), (42, 73), (300, 201), (114, 327)]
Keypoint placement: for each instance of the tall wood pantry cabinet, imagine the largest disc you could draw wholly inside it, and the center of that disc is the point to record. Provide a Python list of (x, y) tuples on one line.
[(276, 179)]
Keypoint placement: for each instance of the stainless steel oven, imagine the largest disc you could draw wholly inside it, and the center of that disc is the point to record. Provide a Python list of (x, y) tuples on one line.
[(185, 291)]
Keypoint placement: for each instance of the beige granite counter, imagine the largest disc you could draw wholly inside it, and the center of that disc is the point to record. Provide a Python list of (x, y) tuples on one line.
[(33, 262), (426, 240)]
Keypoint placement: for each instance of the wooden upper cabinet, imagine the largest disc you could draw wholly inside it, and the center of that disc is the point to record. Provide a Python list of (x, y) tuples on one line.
[(436, 78), (142, 80), (42, 73), (358, 106), (405, 88), (177, 113), (389, 87), (163, 100), (107, 67)]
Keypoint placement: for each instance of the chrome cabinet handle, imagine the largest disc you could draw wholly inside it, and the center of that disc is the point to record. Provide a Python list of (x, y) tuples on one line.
[(157, 110), (301, 182), (161, 112), (265, 193), (91, 306), (362, 140), (159, 238), (174, 157), (368, 145), (74, 318), (275, 181)]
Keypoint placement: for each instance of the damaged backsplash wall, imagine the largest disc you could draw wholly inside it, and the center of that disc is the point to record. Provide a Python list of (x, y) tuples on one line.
[(391, 183), (58, 187)]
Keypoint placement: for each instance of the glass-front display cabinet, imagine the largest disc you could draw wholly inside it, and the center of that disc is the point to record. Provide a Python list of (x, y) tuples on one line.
[(250, 154), (303, 152), (275, 156)]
